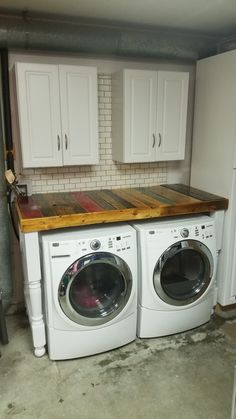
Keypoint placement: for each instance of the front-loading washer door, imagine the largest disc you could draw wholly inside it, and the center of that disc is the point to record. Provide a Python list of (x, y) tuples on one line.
[(183, 272), (95, 288)]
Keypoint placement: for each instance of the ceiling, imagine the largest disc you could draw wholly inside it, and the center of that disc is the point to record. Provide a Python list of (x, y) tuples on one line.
[(216, 17)]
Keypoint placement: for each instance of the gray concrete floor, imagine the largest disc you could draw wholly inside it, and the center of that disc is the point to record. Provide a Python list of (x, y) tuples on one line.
[(185, 376)]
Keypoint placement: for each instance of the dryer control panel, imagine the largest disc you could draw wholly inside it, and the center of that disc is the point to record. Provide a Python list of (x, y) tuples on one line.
[(179, 232), (203, 231)]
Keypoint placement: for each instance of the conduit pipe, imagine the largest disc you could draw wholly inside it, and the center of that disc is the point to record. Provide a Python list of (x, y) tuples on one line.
[(91, 37), (7, 109), (5, 266), (227, 44)]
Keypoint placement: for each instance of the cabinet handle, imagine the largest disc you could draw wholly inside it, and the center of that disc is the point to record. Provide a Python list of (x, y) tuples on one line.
[(58, 143), (154, 140), (159, 135), (66, 141)]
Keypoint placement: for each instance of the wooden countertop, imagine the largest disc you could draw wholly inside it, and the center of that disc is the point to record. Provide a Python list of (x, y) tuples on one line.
[(69, 209)]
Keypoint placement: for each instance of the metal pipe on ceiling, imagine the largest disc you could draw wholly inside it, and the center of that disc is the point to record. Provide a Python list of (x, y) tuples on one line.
[(227, 44), (90, 37)]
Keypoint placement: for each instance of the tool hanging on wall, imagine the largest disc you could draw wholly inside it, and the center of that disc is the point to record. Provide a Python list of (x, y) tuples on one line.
[(12, 187), (12, 182)]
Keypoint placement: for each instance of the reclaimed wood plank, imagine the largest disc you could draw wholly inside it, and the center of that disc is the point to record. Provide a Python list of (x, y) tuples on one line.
[(149, 198), (159, 197), (116, 201), (73, 209), (192, 192), (86, 202), (53, 204), (130, 197), (100, 201), (29, 208), (175, 197)]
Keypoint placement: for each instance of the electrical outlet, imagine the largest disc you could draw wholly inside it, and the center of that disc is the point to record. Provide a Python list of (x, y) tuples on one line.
[(23, 188)]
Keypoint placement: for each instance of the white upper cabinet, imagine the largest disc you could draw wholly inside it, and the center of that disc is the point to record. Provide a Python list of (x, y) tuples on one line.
[(78, 89), (57, 108), (172, 103), (139, 115), (149, 115), (39, 114)]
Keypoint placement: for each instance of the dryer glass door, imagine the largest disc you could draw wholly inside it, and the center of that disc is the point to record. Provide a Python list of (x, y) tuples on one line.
[(183, 272), (95, 288)]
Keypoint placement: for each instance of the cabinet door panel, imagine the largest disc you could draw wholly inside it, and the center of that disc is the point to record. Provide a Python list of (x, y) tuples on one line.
[(39, 114), (78, 87), (140, 112), (172, 100)]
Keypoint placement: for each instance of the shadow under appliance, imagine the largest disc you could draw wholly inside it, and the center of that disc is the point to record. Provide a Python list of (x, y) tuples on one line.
[(177, 266), (90, 289)]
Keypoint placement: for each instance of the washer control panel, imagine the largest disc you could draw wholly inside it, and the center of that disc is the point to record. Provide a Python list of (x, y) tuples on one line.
[(116, 243), (79, 247)]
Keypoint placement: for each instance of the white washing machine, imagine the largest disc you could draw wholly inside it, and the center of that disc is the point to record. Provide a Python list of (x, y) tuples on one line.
[(177, 267), (90, 289)]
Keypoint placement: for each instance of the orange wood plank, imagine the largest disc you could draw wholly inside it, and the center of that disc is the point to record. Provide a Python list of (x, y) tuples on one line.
[(129, 196), (149, 199)]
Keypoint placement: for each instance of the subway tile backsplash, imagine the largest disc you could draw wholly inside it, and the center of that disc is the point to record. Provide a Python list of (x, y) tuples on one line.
[(108, 173)]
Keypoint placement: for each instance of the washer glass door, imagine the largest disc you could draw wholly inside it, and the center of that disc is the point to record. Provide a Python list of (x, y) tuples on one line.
[(95, 288), (183, 272)]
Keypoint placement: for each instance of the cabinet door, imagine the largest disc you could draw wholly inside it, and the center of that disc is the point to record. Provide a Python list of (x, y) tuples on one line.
[(139, 115), (78, 89), (172, 101), (39, 114)]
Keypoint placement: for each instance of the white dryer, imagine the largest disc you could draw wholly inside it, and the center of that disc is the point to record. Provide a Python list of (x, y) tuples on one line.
[(177, 267), (90, 289)]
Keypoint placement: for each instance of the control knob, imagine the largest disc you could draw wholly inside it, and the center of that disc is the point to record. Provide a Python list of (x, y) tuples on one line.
[(95, 244), (184, 232)]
